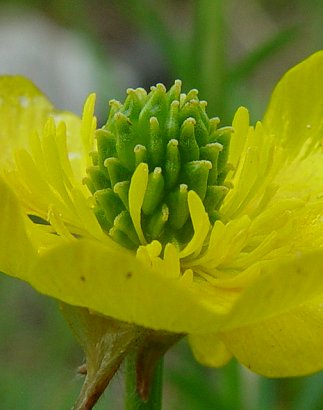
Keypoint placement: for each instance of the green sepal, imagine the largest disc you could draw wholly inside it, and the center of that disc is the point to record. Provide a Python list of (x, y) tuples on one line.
[(147, 357), (105, 342)]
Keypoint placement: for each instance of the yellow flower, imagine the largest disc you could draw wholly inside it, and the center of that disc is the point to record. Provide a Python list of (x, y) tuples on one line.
[(248, 280)]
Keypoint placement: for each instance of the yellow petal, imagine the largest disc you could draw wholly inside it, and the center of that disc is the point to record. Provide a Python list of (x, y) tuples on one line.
[(16, 251), (23, 108), (295, 112), (276, 327), (302, 181), (209, 350), (280, 287), (116, 284), (290, 344)]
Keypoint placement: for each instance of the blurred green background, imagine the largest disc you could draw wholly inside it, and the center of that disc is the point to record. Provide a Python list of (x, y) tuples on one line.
[(233, 52)]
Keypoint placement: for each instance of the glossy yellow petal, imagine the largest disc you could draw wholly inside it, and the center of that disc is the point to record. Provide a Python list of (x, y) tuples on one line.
[(16, 251), (302, 181), (23, 108), (287, 345), (282, 285), (116, 284), (209, 350), (295, 112)]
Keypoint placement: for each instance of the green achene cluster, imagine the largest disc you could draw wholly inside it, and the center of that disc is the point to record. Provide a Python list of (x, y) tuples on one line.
[(184, 149)]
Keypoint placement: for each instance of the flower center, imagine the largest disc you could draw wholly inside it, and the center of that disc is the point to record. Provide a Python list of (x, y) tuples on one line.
[(184, 150)]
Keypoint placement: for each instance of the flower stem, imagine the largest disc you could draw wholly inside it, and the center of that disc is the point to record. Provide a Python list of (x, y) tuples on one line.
[(134, 401)]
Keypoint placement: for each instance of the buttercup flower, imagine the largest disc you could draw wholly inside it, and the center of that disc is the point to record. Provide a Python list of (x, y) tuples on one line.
[(162, 224)]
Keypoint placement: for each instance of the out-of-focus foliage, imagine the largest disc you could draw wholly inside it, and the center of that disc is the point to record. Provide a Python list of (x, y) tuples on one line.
[(233, 51)]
